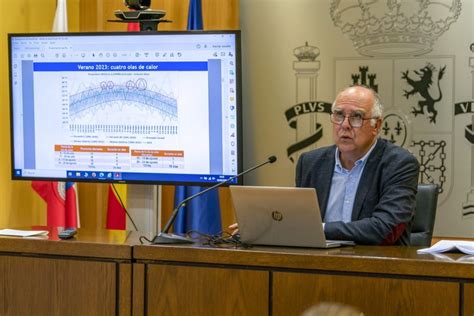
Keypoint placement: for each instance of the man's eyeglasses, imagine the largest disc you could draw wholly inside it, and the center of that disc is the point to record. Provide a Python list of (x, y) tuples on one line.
[(355, 120)]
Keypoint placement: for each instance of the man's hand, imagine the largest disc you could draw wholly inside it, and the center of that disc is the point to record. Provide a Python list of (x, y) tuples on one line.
[(234, 227)]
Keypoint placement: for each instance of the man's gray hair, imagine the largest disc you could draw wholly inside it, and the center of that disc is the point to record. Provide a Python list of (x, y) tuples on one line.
[(377, 106)]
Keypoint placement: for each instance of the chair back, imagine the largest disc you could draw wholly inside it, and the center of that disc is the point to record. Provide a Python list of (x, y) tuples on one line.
[(425, 214)]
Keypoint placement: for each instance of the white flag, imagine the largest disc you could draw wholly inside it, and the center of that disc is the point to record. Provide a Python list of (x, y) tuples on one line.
[(60, 18)]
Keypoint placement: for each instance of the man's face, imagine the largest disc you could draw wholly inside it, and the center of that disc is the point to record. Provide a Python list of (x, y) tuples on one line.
[(354, 142)]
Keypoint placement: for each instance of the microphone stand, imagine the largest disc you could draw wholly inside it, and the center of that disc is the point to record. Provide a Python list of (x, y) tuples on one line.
[(166, 238)]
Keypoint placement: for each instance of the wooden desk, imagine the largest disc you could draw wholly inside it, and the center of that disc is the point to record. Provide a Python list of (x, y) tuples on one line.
[(193, 280), (88, 275), (107, 273)]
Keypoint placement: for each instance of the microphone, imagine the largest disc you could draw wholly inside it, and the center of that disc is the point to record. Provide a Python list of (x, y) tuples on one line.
[(165, 238)]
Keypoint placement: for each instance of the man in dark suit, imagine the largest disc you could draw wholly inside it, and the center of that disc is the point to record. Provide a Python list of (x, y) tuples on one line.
[(366, 186)]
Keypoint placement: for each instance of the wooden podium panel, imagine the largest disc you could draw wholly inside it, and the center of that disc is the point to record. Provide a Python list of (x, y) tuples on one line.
[(295, 292), (184, 290), (90, 274), (468, 299), (202, 280), (45, 286)]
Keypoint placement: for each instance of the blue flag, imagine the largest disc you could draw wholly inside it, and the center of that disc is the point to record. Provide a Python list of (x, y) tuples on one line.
[(203, 213), (195, 15)]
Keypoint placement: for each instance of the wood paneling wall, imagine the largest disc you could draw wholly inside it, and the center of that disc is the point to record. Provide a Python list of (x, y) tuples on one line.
[(94, 16), (19, 205)]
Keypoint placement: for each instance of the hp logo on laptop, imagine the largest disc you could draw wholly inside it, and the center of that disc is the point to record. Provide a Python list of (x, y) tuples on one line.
[(277, 216)]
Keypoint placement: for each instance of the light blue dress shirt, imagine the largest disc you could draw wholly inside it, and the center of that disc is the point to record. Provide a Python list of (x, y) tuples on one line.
[(343, 189)]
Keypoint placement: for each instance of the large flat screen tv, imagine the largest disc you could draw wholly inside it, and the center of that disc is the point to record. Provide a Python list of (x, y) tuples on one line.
[(146, 107)]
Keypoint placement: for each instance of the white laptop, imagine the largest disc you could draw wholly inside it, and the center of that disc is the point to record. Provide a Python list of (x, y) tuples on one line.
[(280, 216)]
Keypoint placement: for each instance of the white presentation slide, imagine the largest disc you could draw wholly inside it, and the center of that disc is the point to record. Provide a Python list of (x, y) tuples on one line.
[(150, 112)]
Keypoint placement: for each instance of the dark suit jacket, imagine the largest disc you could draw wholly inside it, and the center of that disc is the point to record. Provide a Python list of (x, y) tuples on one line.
[(385, 201)]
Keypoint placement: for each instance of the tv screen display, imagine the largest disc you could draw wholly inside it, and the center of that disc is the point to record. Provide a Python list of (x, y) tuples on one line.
[(144, 107)]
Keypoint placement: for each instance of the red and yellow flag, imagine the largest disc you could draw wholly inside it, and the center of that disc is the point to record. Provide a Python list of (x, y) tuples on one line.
[(117, 203)]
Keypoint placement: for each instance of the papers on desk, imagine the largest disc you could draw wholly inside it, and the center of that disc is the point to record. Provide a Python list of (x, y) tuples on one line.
[(465, 259), (22, 233), (463, 246)]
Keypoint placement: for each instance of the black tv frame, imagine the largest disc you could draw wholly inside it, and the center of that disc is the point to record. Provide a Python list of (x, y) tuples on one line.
[(163, 178)]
